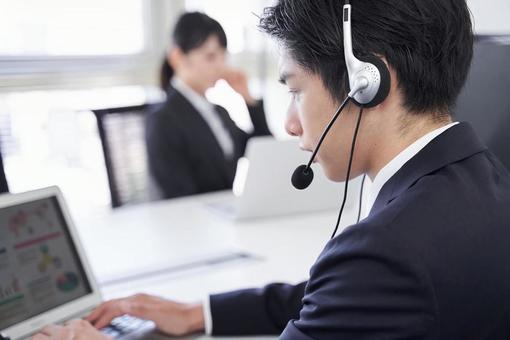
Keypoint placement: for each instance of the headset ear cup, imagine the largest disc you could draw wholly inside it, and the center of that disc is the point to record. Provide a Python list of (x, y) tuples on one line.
[(384, 87)]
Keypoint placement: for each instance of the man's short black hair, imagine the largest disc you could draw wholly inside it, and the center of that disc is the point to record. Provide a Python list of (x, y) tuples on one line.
[(429, 43)]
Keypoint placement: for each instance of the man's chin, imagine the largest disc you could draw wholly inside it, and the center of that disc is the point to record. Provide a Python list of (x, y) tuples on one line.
[(332, 175)]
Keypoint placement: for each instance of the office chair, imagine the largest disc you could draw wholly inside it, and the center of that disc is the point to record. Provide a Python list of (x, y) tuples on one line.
[(484, 100), (122, 133)]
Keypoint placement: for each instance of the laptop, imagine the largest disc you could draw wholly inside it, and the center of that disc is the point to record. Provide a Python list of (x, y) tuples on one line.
[(45, 277), (262, 187)]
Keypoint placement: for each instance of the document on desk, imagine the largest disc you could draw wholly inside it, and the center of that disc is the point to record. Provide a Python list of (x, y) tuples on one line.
[(191, 266)]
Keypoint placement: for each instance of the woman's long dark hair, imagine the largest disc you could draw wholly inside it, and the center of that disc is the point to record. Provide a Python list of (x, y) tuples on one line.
[(190, 32)]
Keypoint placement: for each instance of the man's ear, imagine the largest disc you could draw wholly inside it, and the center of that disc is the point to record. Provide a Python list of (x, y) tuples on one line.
[(394, 92)]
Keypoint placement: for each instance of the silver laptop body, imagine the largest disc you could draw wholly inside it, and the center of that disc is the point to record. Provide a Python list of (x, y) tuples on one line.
[(45, 277)]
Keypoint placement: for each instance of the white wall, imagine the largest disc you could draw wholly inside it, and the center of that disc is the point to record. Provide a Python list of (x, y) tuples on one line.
[(491, 16)]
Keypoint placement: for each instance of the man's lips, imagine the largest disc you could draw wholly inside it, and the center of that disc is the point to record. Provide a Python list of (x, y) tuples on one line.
[(306, 149)]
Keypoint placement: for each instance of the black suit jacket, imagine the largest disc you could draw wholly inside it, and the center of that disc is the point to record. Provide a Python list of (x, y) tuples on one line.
[(184, 156), (431, 261)]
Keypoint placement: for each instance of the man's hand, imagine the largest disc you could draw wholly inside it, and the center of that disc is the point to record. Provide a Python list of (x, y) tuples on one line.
[(170, 317), (72, 330)]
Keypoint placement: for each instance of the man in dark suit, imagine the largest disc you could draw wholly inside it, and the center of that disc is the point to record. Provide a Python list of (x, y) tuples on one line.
[(429, 259)]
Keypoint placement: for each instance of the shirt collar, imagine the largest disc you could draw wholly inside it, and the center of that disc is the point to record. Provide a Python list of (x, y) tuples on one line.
[(373, 188), (198, 101)]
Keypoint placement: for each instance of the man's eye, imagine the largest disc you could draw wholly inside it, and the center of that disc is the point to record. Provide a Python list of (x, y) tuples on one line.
[(294, 94)]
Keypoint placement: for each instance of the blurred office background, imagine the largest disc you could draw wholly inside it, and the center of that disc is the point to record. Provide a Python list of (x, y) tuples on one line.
[(59, 60)]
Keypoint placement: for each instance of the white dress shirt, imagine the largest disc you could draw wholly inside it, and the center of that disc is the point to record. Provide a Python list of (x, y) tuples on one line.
[(208, 112), (370, 191)]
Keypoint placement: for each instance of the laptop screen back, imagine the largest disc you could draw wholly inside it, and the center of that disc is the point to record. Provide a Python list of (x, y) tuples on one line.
[(39, 265)]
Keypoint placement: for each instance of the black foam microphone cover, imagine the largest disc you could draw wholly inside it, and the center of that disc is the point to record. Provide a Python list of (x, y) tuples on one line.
[(302, 177)]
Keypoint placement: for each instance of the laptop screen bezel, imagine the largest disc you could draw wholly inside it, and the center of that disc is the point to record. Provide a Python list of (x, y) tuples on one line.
[(71, 308)]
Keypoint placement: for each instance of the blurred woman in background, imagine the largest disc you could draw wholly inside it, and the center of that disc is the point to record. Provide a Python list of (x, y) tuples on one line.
[(194, 145)]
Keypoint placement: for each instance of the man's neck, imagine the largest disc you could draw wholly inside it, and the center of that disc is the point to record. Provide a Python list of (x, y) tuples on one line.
[(400, 138)]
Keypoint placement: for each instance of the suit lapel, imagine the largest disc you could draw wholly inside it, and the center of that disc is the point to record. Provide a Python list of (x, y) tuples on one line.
[(202, 133), (456, 143)]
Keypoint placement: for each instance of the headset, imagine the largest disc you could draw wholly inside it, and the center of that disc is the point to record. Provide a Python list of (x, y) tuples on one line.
[(368, 82)]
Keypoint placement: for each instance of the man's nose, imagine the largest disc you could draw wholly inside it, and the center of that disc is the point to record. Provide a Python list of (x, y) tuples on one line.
[(292, 124)]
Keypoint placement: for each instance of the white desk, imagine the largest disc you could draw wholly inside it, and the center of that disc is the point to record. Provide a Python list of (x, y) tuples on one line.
[(147, 239)]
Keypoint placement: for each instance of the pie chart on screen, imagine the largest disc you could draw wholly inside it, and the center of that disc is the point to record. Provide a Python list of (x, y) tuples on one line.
[(67, 282)]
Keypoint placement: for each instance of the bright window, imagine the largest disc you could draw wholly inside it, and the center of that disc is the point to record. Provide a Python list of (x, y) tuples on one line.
[(50, 138), (238, 18), (71, 28), (58, 59)]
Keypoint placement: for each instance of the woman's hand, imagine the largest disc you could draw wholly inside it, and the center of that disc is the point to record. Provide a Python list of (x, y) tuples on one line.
[(170, 317), (72, 330), (239, 82)]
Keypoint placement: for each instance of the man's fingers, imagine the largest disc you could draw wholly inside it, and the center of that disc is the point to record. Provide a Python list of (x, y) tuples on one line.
[(107, 317), (51, 330), (40, 336), (97, 312), (94, 314), (77, 323)]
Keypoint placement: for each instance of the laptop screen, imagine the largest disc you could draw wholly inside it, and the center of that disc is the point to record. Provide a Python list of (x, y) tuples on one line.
[(39, 265)]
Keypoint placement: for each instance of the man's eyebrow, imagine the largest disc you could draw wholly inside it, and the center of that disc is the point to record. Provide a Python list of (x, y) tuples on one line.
[(284, 77)]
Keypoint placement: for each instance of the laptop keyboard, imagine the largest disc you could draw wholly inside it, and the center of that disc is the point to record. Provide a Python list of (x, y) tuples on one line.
[(123, 325)]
